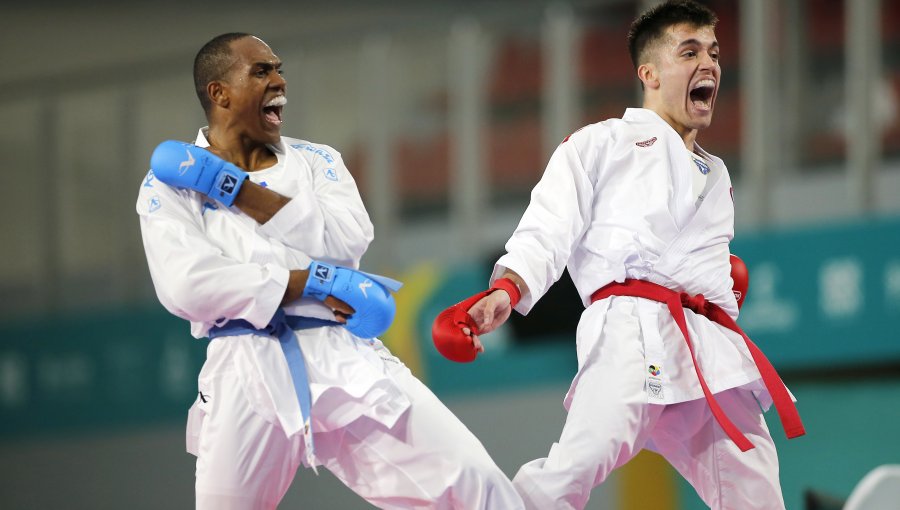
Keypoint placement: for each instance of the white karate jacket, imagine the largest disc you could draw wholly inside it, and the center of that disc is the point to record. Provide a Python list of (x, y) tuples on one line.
[(617, 201)]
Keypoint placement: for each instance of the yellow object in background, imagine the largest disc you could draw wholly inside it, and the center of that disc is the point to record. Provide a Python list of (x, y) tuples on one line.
[(419, 284), (648, 482)]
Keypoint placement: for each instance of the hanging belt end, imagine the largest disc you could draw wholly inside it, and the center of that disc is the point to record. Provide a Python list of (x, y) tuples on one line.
[(745, 445), (795, 432)]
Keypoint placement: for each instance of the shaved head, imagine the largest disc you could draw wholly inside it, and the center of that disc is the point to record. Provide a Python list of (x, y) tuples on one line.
[(212, 63)]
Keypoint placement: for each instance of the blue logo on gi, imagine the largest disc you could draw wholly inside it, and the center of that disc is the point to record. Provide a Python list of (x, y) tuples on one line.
[(315, 150), (208, 206), (323, 273), (148, 182), (154, 204), (330, 174), (704, 168)]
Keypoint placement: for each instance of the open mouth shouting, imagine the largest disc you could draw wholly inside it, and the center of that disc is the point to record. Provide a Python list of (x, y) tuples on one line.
[(272, 110), (702, 93)]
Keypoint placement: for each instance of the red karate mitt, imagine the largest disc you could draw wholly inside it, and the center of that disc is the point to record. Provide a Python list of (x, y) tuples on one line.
[(447, 330), (741, 279)]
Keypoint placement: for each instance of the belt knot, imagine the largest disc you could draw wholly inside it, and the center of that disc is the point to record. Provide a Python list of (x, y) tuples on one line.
[(698, 304), (787, 411)]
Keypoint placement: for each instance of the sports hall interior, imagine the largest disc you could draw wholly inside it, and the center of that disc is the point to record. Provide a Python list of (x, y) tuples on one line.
[(446, 113)]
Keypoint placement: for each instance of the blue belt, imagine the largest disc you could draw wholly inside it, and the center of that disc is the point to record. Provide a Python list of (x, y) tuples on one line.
[(282, 326)]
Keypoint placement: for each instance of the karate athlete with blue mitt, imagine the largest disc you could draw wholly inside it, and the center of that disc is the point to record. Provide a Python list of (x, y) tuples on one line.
[(256, 240)]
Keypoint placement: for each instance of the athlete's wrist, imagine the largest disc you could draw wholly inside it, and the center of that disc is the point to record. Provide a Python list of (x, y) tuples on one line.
[(510, 287)]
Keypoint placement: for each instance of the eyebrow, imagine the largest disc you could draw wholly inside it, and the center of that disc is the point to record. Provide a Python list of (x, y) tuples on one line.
[(267, 65), (695, 42)]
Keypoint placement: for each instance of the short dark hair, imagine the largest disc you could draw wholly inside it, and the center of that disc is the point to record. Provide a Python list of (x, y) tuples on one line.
[(212, 62), (650, 26)]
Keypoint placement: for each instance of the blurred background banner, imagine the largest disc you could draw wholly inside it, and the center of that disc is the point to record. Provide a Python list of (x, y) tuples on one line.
[(446, 113), (98, 371), (826, 296)]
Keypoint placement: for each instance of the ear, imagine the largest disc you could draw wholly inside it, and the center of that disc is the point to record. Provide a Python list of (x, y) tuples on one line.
[(649, 76), (218, 93)]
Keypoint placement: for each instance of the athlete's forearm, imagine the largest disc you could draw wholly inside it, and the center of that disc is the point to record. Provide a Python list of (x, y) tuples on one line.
[(260, 203), (295, 286)]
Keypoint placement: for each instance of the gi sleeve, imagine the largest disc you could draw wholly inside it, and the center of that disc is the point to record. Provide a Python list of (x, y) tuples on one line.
[(556, 218), (192, 276), (328, 222)]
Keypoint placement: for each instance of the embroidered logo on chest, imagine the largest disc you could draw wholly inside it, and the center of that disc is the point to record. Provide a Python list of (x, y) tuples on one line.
[(702, 166), (646, 143)]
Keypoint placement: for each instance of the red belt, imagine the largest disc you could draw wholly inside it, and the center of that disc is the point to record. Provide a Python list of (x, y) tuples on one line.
[(677, 302)]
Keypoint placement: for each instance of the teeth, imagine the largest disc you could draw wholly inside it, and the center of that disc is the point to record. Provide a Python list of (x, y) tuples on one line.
[(704, 83), (277, 101)]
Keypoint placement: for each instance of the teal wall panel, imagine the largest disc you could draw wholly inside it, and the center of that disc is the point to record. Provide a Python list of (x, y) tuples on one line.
[(851, 429), (824, 296), (99, 370)]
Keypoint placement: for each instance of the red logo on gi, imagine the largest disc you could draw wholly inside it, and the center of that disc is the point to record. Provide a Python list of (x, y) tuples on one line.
[(566, 139), (646, 143)]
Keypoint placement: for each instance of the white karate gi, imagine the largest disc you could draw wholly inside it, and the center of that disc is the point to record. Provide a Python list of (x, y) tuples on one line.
[(376, 427), (617, 201)]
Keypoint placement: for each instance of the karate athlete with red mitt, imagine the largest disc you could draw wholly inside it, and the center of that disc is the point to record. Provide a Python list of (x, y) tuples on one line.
[(642, 217), (256, 239)]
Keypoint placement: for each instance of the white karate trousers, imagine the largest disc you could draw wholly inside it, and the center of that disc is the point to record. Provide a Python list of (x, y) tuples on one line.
[(610, 421), (427, 460)]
